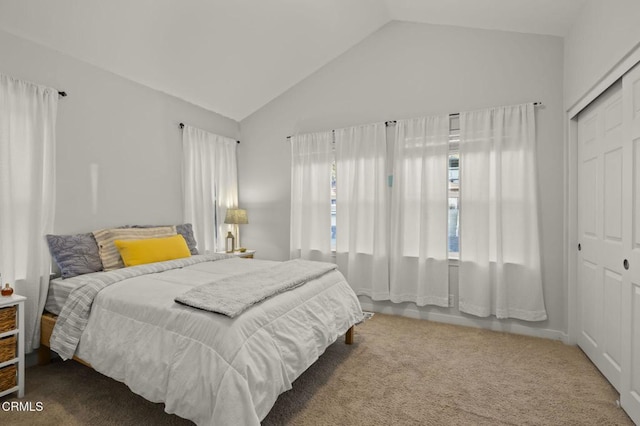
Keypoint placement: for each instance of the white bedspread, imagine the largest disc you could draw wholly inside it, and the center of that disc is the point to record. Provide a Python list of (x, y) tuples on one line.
[(207, 367)]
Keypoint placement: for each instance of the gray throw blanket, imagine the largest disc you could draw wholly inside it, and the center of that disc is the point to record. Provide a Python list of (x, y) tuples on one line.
[(232, 295)]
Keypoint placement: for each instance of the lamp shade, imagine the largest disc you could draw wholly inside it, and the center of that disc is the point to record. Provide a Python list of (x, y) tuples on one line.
[(236, 216)]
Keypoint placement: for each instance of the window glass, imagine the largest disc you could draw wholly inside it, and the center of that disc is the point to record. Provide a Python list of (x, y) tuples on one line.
[(333, 206), (454, 189)]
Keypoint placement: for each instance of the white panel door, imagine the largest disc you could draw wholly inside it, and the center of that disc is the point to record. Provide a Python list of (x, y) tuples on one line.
[(601, 156), (630, 389)]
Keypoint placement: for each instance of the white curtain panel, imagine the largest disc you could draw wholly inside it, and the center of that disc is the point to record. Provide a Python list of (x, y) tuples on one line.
[(419, 267), (361, 209), (311, 163), (27, 193), (499, 271), (210, 185)]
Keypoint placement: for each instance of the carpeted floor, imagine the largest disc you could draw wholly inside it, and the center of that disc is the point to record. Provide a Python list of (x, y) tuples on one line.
[(399, 371)]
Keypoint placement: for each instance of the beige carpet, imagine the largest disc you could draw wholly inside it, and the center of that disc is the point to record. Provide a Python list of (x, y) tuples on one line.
[(399, 371)]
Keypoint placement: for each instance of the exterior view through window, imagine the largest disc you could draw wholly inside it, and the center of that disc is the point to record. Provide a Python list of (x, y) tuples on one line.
[(333, 206), (454, 186)]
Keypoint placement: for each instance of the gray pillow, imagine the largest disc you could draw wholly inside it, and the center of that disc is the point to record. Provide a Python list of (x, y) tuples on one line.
[(75, 254), (186, 230)]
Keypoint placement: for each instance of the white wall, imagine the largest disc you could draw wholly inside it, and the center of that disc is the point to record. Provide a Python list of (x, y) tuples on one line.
[(406, 70), (128, 130), (602, 35)]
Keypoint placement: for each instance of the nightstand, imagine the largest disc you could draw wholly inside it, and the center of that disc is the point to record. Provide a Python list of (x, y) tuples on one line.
[(247, 254), (11, 355)]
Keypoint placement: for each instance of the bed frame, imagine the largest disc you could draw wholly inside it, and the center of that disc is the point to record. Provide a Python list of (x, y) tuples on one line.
[(48, 321)]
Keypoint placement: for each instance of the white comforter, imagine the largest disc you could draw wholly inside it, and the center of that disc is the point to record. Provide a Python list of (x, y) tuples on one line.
[(207, 367)]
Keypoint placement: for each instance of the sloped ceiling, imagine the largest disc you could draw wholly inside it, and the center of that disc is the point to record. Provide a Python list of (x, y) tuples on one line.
[(234, 56)]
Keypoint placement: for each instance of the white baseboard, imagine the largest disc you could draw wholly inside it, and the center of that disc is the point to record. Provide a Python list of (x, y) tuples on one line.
[(484, 323)]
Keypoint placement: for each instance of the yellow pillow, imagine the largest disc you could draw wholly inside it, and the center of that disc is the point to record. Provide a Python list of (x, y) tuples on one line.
[(151, 250)]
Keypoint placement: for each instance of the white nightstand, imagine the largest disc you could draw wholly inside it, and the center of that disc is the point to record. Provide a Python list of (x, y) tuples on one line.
[(18, 330), (247, 254)]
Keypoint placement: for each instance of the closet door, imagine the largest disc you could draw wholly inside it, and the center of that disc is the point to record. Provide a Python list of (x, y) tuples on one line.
[(630, 390), (601, 154)]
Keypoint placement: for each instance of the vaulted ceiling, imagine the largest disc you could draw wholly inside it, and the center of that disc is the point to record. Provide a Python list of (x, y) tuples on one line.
[(234, 56)]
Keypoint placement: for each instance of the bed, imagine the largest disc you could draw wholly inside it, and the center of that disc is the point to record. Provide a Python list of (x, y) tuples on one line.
[(204, 366)]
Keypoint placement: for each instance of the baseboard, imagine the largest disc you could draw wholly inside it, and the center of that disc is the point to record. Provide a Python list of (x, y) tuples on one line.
[(493, 324)]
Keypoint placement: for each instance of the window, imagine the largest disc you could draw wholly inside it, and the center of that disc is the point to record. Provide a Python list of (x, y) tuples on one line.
[(453, 231), (454, 187), (333, 205)]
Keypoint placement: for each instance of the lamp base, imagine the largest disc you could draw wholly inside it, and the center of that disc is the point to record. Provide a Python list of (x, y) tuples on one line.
[(230, 243)]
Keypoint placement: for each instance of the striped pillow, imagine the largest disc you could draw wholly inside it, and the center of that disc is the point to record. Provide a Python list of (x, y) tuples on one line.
[(109, 253)]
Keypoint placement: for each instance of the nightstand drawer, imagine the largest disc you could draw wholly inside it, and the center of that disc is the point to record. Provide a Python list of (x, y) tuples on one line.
[(8, 347), (8, 319), (8, 377)]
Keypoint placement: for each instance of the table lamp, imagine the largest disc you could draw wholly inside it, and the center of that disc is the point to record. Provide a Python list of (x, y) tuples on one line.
[(236, 217)]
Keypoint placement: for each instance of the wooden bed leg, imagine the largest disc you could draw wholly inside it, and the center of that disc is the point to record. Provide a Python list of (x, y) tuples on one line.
[(348, 337), (44, 355)]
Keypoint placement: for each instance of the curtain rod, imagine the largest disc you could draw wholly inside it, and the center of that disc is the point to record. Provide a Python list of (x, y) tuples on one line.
[(182, 127), (455, 114)]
